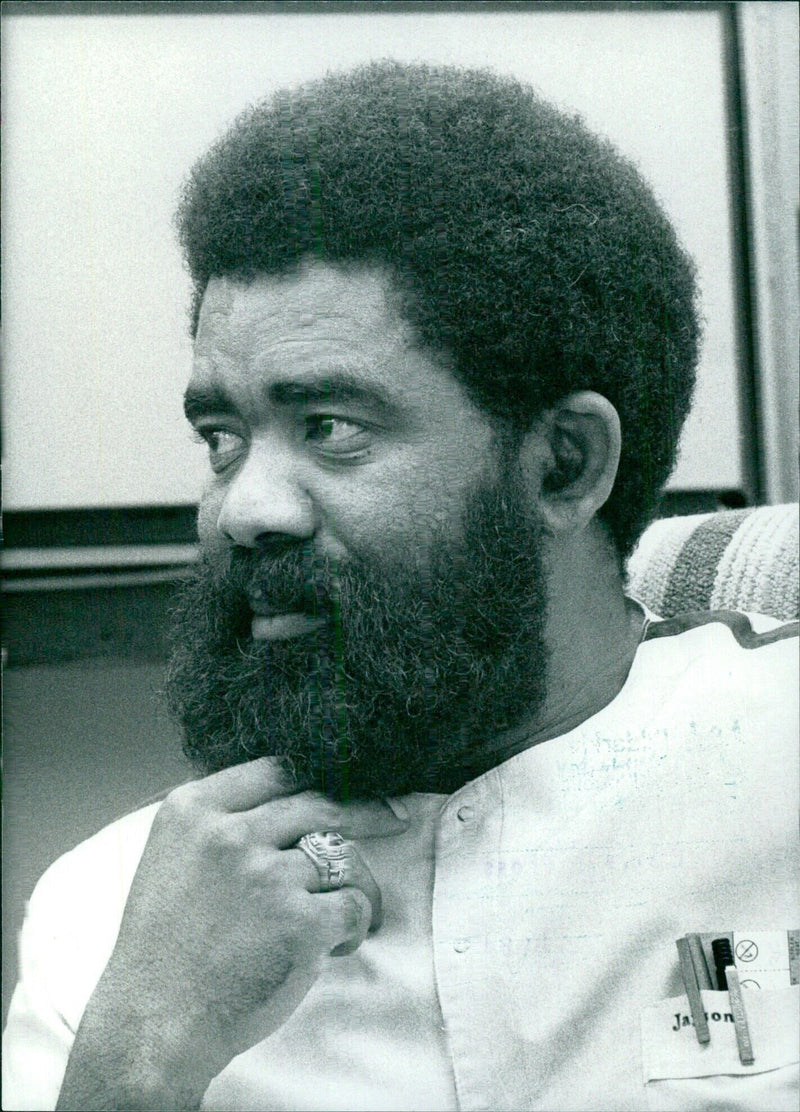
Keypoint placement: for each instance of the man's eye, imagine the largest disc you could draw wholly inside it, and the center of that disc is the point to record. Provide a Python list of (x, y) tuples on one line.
[(321, 428), (223, 446)]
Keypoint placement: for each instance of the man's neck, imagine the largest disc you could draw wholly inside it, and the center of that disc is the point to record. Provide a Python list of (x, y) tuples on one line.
[(593, 632)]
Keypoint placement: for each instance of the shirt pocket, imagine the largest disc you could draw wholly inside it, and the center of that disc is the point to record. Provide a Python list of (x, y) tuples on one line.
[(681, 1075)]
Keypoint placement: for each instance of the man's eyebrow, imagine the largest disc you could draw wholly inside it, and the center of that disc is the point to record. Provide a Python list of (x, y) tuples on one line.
[(338, 386), (341, 387), (200, 401)]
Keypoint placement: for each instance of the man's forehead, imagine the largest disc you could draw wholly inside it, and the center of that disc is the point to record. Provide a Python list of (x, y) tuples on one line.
[(218, 297), (306, 322), (317, 319), (360, 294), (342, 340)]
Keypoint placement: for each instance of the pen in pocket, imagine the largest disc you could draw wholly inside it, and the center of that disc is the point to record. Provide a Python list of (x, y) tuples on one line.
[(693, 991)]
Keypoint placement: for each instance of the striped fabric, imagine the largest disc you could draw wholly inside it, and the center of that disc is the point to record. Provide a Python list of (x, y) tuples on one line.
[(732, 560)]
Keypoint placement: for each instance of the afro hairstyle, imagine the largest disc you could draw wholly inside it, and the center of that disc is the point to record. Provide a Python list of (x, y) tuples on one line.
[(524, 244)]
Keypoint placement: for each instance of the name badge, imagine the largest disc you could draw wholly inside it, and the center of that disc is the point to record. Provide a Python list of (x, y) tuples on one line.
[(671, 1050)]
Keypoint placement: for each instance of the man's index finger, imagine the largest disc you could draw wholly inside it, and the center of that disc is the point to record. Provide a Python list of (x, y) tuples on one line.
[(244, 786)]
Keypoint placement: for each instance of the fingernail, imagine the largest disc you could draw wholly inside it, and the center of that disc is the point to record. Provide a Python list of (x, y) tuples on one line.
[(399, 808)]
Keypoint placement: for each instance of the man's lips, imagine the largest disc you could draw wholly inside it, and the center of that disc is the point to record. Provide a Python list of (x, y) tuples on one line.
[(279, 621), (269, 610), (280, 627), (267, 604)]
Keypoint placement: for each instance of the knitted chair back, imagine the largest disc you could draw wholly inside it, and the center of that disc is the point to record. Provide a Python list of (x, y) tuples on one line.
[(732, 560)]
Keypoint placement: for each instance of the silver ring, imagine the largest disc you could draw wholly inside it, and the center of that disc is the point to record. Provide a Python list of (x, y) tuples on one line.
[(331, 854)]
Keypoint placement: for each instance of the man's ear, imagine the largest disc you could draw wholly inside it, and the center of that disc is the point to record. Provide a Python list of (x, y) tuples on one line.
[(571, 456)]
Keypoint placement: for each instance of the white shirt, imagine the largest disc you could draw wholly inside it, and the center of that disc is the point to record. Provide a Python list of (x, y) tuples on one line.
[(530, 918)]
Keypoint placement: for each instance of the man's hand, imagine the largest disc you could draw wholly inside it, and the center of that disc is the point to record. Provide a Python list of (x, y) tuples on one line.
[(222, 935)]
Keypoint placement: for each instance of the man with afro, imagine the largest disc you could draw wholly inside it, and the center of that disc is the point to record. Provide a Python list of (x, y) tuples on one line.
[(456, 794)]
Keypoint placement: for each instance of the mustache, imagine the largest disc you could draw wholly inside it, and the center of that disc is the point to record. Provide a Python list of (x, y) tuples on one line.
[(297, 579)]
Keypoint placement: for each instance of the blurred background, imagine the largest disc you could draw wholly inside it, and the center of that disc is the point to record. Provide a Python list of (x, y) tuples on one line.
[(106, 106)]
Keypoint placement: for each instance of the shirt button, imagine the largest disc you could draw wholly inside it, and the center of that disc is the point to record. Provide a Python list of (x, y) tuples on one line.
[(466, 813), (461, 946)]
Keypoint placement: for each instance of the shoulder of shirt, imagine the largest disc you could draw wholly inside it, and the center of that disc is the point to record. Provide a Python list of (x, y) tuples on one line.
[(726, 666), (736, 629), (106, 861)]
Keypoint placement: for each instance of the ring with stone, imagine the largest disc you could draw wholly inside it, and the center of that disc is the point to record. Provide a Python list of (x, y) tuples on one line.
[(331, 854)]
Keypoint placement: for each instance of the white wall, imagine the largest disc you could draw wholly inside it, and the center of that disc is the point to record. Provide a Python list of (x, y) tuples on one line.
[(772, 72), (104, 115)]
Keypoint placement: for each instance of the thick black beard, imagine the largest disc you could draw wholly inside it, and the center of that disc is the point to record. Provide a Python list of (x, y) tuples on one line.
[(418, 664)]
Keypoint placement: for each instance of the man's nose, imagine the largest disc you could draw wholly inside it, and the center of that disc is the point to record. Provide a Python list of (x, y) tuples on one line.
[(265, 502)]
